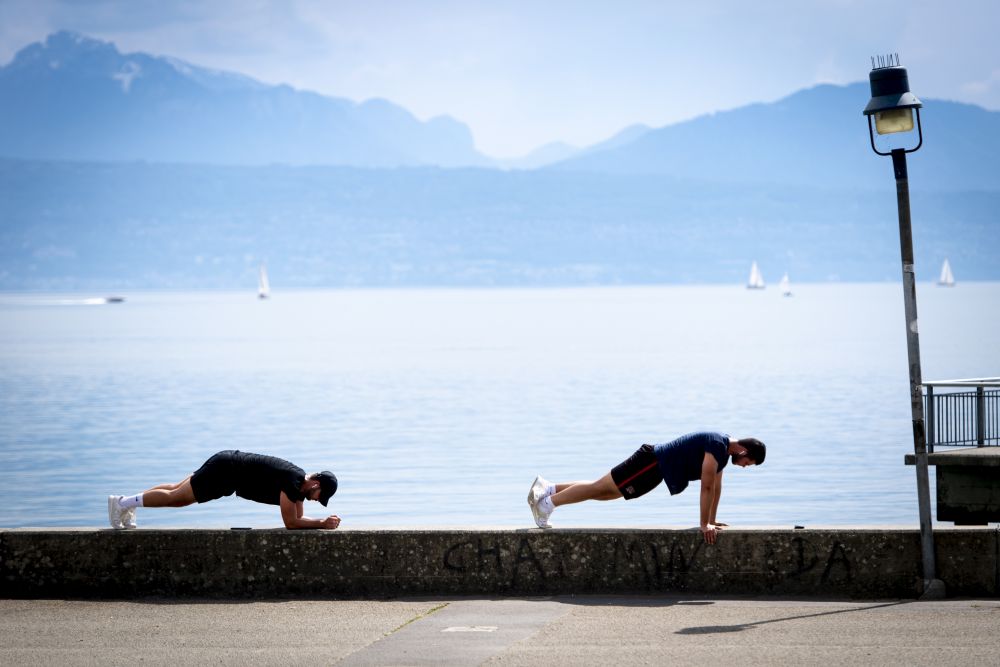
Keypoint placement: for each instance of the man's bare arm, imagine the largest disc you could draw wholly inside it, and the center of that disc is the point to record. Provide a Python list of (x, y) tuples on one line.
[(709, 479), (712, 518), (291, 515)]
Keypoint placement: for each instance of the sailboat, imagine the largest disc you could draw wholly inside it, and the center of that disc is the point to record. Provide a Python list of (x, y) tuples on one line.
[(946, 279), (786, 287), (263, 286), (756, 280)]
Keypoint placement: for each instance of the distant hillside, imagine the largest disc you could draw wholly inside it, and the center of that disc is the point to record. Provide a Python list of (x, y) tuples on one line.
[(620, 138), (77, 98), (816, 137), (541, 156), (557, 151), (115, 227)]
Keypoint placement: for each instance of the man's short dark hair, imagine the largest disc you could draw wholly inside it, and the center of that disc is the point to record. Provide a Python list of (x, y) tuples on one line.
[(755, 449)]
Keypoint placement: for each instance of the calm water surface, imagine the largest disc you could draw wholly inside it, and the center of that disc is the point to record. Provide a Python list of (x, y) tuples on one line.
[(438, 407)]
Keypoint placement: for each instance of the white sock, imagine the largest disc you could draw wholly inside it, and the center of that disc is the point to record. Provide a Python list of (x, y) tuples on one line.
[(545, 504), (550, 489), (128, 502)]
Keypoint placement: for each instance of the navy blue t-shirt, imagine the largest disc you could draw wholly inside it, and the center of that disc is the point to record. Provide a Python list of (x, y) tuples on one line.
[(681, 459)]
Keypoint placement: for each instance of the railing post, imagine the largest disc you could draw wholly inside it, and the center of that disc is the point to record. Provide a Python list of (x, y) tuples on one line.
[(980, 416), (930, 419), (995, 409)]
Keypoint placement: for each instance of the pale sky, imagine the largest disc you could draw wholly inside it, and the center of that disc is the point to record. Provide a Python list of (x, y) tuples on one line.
[(522, 73)]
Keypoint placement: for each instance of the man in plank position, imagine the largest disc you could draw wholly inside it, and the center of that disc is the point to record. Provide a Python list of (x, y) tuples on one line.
[(689, 457), (264, 479)]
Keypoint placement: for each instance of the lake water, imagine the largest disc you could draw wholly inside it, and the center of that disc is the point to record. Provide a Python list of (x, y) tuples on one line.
[(438, 407)]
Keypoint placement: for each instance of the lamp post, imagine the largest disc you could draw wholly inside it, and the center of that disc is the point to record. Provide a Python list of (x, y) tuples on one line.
[(892, 104)]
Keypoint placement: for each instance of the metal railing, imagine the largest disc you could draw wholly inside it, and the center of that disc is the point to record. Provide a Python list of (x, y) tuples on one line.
[(962, 412)]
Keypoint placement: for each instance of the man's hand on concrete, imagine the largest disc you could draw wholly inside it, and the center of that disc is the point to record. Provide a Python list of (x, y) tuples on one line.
[(331, 522), (710, 532)]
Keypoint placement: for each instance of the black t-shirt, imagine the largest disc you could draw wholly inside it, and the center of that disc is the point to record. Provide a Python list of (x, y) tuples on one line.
[(262, 478)]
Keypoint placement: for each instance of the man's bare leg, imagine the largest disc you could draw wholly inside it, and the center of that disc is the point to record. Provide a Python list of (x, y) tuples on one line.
[(563, 487), (168, 486), (180, 495), (576, 492)]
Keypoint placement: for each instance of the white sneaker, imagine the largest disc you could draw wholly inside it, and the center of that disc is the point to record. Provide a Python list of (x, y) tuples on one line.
[(128, 518), (535, 494), (533, 498), (115, 512), (543, 516), (543, 487)]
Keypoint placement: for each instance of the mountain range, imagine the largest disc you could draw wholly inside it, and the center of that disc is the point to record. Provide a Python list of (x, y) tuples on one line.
[(131, 171), (76, 98), (814, 137)]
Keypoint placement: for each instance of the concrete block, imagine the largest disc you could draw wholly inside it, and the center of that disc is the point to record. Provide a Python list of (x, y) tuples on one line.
[(968, 495), (841, 563)]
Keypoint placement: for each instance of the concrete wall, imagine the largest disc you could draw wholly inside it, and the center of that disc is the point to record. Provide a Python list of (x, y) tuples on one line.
[(355, 563)]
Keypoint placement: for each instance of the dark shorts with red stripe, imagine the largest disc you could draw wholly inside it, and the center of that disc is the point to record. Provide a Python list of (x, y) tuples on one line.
[(638, 474)]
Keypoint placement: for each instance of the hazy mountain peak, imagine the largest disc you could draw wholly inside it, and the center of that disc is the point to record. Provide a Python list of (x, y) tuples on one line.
[(69, 42), (817, 136), (620, 138), (59, 49), (214, 79), (546, 154), (75, 97)]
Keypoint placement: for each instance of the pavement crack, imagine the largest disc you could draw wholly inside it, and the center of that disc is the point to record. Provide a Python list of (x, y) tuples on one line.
[(417, 618)]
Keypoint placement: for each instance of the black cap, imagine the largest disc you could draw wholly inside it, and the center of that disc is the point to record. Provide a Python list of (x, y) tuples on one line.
[(327, 485)]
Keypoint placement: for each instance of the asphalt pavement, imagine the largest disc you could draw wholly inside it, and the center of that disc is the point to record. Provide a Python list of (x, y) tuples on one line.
[(586, 630)]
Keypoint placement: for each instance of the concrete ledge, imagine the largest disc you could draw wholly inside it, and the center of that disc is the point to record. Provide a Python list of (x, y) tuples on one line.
[(968, 456), (840, 563)]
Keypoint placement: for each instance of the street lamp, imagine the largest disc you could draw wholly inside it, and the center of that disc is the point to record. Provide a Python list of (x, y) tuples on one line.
[(892, 104)]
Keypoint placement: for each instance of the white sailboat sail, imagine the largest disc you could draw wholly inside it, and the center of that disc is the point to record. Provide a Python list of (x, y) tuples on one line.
[(947, 279), (756, 280), (785, 284), (263, 285)]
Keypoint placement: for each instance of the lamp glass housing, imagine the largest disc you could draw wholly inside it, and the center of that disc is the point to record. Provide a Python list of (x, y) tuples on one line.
[(894, 120)]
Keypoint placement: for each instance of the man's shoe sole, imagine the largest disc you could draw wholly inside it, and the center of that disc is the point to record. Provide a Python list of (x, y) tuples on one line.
[(532, 503), (114, 514), (535, 494)]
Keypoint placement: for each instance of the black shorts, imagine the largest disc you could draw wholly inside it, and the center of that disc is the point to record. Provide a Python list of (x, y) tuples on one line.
[(638, 474), (215, 478)]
